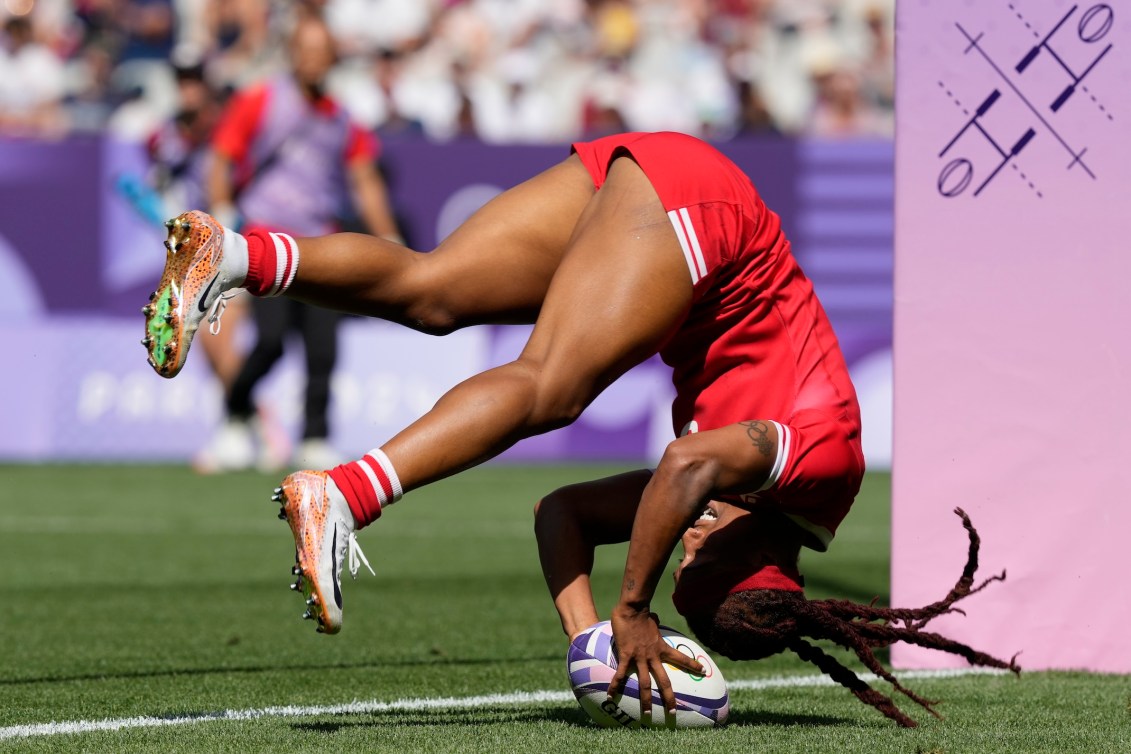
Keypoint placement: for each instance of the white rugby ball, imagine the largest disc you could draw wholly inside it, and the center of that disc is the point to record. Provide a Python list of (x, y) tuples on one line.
[(701, 701)]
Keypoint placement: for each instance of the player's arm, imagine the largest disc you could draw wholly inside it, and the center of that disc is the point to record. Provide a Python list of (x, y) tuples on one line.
[(231, 145), (694, 469), (221, 196), (569, 524), (370, 194)]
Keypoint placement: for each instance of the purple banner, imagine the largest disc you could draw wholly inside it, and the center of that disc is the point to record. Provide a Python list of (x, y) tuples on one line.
[(80, 248)]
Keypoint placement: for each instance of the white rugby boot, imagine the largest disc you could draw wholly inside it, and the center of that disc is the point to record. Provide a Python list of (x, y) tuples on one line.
[(323, 529), (203, 261)]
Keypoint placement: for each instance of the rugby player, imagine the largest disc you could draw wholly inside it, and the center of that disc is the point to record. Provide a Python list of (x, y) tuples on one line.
[(634, 244)]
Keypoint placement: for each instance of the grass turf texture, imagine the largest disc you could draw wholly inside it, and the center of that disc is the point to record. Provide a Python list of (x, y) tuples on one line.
[(149, 590)]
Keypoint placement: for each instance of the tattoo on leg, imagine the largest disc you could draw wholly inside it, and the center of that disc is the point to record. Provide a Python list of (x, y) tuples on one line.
[(757, 432)]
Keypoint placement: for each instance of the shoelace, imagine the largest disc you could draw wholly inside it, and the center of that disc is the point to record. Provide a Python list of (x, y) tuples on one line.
[(357, 557), (217, 311)]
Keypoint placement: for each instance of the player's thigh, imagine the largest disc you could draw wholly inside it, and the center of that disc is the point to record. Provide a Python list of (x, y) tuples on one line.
[(497, 265), (620, 291)]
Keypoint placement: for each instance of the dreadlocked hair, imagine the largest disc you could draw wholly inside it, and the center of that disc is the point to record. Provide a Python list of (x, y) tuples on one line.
[(755, 624)]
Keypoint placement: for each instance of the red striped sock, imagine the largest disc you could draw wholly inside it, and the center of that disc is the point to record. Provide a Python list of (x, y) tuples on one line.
[(272, 262), (368, 485)]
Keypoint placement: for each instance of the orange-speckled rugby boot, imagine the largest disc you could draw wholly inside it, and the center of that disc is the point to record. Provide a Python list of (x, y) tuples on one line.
[(323, 527), (203, 261)]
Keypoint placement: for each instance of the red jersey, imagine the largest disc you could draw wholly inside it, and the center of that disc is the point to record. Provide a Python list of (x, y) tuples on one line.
[(756, 343), (243, 119), (292, 156)]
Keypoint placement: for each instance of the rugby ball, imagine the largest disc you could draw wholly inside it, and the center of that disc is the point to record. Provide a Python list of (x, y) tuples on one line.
[(701, 700)]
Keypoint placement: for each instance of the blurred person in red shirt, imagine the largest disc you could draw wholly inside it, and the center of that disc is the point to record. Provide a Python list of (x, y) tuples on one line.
[(288, 158)]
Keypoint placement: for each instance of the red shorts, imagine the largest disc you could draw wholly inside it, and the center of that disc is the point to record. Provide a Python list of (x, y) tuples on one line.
[(712, 207)]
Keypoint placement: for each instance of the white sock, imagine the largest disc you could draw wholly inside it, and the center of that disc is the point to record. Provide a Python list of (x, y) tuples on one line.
[(233, 267)]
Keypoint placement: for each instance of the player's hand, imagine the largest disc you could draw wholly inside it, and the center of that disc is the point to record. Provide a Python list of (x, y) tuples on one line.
[(636, 636)]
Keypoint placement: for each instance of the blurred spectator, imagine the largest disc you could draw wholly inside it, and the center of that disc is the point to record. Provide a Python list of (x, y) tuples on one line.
[(368, 89), (288, 159), (842, 110), (238, 42), (501, 70), (754, 116), (877, 71), (146, 27), (138, 36), (31, 83), (178, 150), (365, 28), (92, 98)]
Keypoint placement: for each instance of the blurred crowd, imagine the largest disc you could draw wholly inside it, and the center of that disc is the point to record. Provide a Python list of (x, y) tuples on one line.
[(503, 71)]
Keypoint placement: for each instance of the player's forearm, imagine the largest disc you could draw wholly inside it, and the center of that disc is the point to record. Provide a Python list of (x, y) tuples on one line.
[(378, 218), (679, 489), (372, 200), (219, 184)]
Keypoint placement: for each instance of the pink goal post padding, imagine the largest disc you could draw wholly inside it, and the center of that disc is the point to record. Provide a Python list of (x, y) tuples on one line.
[(1013, 325)]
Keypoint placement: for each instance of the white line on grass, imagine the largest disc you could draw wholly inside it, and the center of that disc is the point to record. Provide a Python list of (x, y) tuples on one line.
[(516, 698)]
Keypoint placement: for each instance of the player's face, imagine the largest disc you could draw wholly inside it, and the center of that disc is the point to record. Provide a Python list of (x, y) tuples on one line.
[(714, 516), (727, 540)]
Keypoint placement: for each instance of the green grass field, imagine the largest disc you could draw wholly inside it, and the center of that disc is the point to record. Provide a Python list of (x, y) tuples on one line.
[(150, 591)]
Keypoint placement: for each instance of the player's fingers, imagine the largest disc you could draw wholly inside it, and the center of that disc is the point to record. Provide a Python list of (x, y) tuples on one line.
[(682, 661), (644, 679), (616, 686), (665, 684)]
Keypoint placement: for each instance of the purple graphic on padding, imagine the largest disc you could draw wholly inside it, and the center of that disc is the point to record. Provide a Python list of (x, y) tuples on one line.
[(1011, 313), (1022, 116)]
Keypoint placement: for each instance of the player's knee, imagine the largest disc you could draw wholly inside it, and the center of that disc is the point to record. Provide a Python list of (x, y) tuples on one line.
[(430, 294), (544, 511), (546, 507), (549, 513), (547, 398), (429, 316), (556, 406), (557, 399)]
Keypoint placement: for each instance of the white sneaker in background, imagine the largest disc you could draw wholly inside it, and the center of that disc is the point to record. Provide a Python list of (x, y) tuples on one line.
[(232, 448), (316, 453)]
